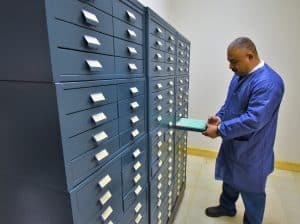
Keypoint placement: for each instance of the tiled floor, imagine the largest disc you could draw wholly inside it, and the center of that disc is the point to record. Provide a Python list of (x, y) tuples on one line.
[(283, 196)]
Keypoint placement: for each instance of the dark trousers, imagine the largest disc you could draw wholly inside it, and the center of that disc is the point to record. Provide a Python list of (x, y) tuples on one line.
[(254, 203)]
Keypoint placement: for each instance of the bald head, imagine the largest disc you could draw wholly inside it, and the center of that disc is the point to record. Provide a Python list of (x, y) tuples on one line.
[(242, 56), (243, 43)]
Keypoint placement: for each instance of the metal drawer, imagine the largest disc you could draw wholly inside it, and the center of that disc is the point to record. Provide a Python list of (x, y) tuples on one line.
[(157, 55), (128, 49), (129, 122), (74, 37), (128, 14), (80, 14), (157, 43), (132, 105), (160, 84), (82, 96), (129, 66), (131, 135), (79, 122), (127, 32), (156, 69), (129, 90), (156, 29)]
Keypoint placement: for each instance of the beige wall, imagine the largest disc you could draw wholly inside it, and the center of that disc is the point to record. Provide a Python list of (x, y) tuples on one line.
[(274, 27), (161, 7)]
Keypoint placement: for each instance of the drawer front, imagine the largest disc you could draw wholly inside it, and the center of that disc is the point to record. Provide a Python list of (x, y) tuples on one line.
[(131, 135), (81, 167), (156, 68), (157, 43), (129, 66), (157, 30), (79, 122), (127, 32), (128, 49), (170, 49), (132, 197), (130, 122), (170, 38), (169, 69), (170, 59), (129, 90), (86, 141), (81, 14), (132, 105), (72, 63), (99, 192), (74, 37), (76, 99), (104, 5), (128, 14), (157, 55)]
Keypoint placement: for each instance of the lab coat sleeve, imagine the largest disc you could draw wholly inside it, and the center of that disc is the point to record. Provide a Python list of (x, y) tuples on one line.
[(220, 113), (263, 103)]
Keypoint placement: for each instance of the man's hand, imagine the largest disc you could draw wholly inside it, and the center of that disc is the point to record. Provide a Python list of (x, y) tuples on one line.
[(214, 120), (211, 131)]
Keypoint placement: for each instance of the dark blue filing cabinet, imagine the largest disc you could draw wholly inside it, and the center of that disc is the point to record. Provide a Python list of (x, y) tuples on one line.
[(90, 89)]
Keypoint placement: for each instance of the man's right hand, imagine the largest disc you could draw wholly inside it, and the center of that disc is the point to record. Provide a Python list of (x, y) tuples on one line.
[(214, 120)]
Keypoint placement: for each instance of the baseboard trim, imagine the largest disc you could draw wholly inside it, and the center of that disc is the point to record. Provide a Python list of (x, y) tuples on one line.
[(282, 165)]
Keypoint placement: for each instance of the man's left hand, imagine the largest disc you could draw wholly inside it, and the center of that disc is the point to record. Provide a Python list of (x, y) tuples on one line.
[(211, 131)]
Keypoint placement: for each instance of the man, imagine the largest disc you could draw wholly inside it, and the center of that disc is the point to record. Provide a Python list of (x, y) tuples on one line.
[(247, 125)]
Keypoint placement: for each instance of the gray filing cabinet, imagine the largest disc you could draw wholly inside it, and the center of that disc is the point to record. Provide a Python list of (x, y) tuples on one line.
[(83, 138)]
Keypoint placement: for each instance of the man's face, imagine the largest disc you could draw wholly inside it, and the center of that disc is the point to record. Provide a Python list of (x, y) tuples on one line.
[(239, 61)]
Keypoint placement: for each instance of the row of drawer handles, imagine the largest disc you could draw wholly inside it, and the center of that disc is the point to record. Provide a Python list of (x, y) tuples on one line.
[(160, 86), (159, 31), (159, 68)]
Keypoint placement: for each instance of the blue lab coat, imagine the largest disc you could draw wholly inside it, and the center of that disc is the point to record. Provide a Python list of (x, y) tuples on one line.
[(249, 119)]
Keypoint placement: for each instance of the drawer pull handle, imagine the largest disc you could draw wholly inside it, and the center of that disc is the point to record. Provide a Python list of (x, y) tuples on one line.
[(159, 133), (159, 153), (181, 44), (138, 190), (134, 105), (170, 175), (105, 198), (159, 43), (138, 218), (171, 38), (136, 153), (160, 97), (170, 168), (97, 97), (170, 110), (159, 30), (171, 83), (158, 203), (100, 137), (92, 42), (171, 92), (187, 80), (170, 149), (158, 56), (180, 104), (171, 59), (186, 69), (159, 85), (181, 61), (131, 34), (159, 186), (180, 96), (170, 160), (180, 69), (110, 222), (159, 194), (130, 16), (160, 163), (132, 50), (104, 181), (137, 165), (90, 18), (159, 144), (132, 67), (185, 109), (171, 49), (159, 107), (138, 207), (101, 155), (137, 178), (99, 117), (107, 213), (181, 53), (171, 132), (159, 176), (158, 68), (134, 90), (135, 133), (170, 101), (170, 68), (170, 194), (159, 118), (181, 89), (134, 119), (181, 81), (94, 65)]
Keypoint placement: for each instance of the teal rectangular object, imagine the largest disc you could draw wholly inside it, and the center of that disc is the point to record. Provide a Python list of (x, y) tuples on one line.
[(190, 124)]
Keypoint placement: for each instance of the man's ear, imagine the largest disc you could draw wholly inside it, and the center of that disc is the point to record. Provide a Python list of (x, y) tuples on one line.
[(250, 56)]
